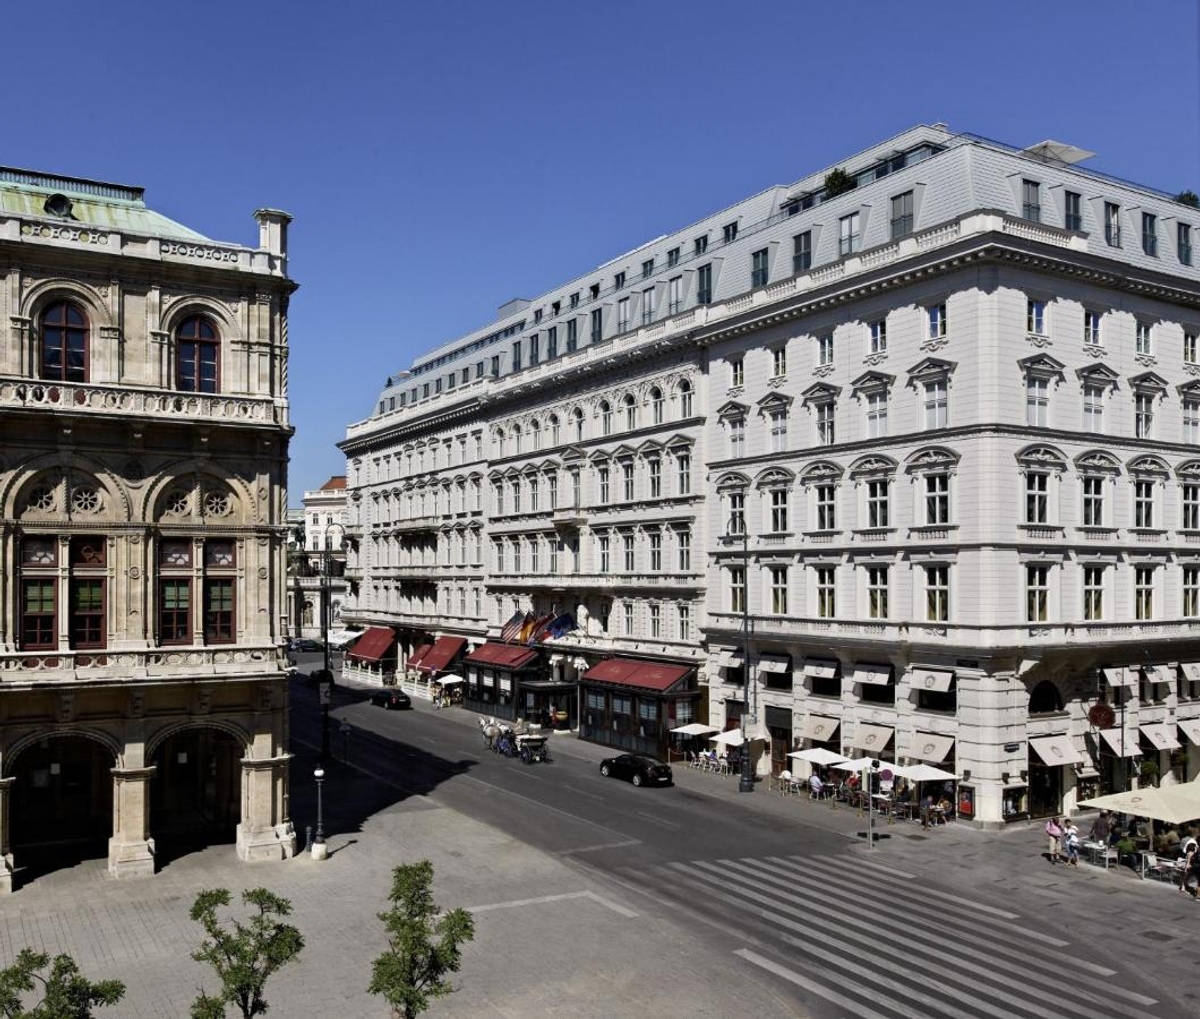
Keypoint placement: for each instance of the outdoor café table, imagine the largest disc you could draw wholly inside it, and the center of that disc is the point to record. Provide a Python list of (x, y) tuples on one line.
[(883, 802), (1097, 853)]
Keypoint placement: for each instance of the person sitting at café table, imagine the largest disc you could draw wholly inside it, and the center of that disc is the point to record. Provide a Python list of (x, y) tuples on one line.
[(1168, 842), (943, 808), (815, 785)]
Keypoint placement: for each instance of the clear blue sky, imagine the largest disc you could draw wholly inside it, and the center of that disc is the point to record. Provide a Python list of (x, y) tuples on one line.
[(441, 158)]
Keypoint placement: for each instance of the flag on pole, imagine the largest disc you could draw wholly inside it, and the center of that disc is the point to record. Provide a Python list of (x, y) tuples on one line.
[(526, 628), (537, 632), (510, 629)]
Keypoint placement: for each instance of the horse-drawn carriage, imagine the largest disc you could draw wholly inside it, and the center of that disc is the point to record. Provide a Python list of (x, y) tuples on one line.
[(511, 741)]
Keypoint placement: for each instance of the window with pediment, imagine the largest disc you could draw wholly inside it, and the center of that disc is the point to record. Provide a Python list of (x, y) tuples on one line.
[(931, 380), (1097, 382)]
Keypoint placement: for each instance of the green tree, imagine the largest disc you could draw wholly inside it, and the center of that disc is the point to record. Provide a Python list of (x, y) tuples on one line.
[(66, 993), (243, 955), (838, 182), (1188, 198), (422, 947)]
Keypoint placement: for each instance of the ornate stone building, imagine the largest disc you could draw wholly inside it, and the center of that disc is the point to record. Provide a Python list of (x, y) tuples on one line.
[(143, 401), (318, 561)]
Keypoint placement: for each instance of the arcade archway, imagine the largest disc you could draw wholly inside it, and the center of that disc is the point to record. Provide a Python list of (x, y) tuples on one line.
[(195, 795)]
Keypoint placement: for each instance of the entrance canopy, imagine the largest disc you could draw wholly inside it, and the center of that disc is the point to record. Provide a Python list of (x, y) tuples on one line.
[(501, 656), (1124, 744), (443, 652), (657, 676), (373, 644), (1174, 804), (694, 729), (1055, 750)]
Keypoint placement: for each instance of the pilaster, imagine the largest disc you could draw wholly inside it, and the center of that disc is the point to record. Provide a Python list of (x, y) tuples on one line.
[(265, 832), (131, 850)]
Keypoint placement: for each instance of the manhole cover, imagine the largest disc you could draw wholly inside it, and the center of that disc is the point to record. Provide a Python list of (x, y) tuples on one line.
[(1157, 936)]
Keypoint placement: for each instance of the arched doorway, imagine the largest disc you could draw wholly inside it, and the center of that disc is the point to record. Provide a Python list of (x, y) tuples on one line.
[(1046, 783), (61, 805), (195, 796)]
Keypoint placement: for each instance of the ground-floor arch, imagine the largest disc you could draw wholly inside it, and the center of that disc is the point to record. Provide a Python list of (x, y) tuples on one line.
[(196, 790)]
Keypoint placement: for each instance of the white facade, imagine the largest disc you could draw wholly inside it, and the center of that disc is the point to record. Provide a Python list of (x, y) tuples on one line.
[(958, 407), (316, 596)]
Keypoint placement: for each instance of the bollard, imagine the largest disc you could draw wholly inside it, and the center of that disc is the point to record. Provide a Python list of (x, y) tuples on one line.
[(307, 839)]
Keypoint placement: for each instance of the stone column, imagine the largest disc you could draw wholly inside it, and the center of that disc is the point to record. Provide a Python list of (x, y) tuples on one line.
[(131, 850), (265, 832), (6, 860)]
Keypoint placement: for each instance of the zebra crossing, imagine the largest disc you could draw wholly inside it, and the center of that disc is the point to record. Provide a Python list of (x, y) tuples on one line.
[(857, 943)]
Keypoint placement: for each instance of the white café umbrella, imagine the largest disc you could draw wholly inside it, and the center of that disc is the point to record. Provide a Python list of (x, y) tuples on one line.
[(1174, 804), (924, 773), (694, 729), (733, 738), (819, 756)]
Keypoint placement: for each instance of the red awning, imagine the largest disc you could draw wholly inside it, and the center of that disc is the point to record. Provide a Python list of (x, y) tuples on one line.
[(630, 672), (415, 658), (504, 656), (373, 644), (443, 652)]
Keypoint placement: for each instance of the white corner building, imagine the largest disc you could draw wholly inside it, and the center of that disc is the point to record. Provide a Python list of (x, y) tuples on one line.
[(956, 405)]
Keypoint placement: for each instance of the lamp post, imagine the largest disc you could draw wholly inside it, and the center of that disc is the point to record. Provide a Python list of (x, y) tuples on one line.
[(319, 849), (326, 612), (737, 522)]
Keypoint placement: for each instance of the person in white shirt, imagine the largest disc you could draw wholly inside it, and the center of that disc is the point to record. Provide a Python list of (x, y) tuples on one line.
[(815, 785)]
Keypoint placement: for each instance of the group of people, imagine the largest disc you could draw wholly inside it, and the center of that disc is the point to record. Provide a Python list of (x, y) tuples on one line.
[(1108, 829), (933, 807)]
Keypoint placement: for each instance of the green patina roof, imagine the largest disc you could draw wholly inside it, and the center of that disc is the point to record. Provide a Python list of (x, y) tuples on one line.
[(93, 203)]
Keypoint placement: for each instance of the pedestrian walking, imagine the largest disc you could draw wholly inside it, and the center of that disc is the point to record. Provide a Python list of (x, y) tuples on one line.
[(1189, 879), (1054, 833), (1071, 838)]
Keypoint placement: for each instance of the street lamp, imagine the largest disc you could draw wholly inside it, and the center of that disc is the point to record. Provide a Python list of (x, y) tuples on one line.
[(737, 522), (326, 612), (319, 849)]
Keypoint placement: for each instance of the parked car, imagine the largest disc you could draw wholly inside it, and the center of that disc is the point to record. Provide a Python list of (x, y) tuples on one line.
[(305, 644), (638, 769), (391, 699)]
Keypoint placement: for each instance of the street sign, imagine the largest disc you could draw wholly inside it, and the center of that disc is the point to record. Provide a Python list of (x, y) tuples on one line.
[(324, 693)]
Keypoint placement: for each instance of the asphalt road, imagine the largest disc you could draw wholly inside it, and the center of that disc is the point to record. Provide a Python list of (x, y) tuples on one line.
[(796, 904)]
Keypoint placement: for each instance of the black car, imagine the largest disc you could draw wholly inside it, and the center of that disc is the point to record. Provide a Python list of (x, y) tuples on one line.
[(638, 769), (391, 699), (305, 644)]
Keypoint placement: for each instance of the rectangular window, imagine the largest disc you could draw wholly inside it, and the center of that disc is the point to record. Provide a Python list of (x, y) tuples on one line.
[(937, 593), (1191, 591), (936, 318), (779, 590), (779, 362), (1143, 592), (1183, 243), (628, 631), (594, 291), (627, 552), (1035, 317), (1037, 497), (826, 507), (597, 325), (878, 330), (175, 611), (1073, 210), (825, 349), (737, 372), (656, 632), (572, 334), (619, 281), (656, 552), (1191, 506), (779, 428), (779, 509), (937, 499), (647, 305), (535, 548), (1093, 593), (877, 414), (878, 502), (1031, 200), (39, 628), (534, 349), (1112, 224), (902, 215), (877, 592), (1037, 402), (552, 342), (737, 589), (802, 252), (700, 245), (1150, 234), (675, 295), (758, 270), (1143, 503), (1191, 421), (516, 356), (218, 611), (683, 472), (495, 366), (683, 546), (825, 422), (1091, 328), (672, 258), (936, 404), (654, 467), (849, 240), (730, 232), (826, 577), (684, 618), (86, 623), (1037, 593), (1143, 416), (704, 284), (602, 474), (623, 315), (1189, 347), (1143, 338), (627, 482), (737, 513), (1093, 501), (647, 268), (737, 436), (1093, 409)]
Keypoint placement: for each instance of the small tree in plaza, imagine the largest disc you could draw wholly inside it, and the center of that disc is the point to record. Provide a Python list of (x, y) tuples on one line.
[(66, 993), (422, 947), (243, 955)]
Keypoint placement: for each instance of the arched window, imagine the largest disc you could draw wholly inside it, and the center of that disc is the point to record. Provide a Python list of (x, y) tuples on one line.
[(577, 417), (605, 417), (1044, 699), (555, 434), (685, 399), (630, 413), (197, 346), (535, 435), (64, 332), (657, 405), (516, 433)]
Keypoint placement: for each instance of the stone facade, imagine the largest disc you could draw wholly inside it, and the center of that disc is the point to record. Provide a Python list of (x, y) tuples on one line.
[(314, 595), (957, 409), (143, 398)]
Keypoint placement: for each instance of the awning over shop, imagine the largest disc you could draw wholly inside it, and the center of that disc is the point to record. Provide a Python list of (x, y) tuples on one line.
[(820, 728), (871, 737), (415, 658), (774, 663), (373, 644), (1159, 673), (1054, 750), (927, 746), (1191, 670), (730, 660), (631, 672), (501, 656), (932, 679), (821, 668), (1191, 728), (1120, 676), (1161, 734), (1127, 746), (443, 652), (875, 675)]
